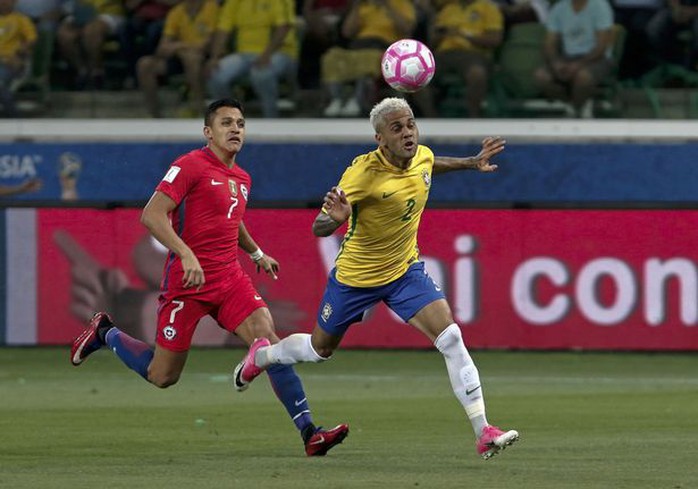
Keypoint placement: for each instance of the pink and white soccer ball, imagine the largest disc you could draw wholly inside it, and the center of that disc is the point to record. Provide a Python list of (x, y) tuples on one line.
[(408, 65)]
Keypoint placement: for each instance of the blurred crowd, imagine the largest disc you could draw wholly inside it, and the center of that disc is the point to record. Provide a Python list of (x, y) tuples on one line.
[(266, 50)]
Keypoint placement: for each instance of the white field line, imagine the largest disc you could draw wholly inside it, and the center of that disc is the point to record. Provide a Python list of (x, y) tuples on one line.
[(572, 380)]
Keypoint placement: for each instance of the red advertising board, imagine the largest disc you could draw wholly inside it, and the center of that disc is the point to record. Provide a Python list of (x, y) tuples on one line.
[(532, 279)]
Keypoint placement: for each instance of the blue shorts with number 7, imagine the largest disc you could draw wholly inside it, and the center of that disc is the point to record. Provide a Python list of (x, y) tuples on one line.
[(343, 305)]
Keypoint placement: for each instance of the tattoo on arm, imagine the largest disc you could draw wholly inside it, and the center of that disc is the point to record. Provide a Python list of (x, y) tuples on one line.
[(324, 225), (443, 164)]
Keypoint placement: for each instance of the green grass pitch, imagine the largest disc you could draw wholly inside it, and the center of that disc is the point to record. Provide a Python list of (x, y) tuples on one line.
[(611, 421)]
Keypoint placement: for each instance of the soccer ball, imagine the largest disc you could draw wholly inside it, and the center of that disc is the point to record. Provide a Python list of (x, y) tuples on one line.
[(407, 65)]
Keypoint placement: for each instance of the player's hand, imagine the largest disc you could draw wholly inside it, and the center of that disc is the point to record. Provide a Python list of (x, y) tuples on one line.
[(269, 265), (336, 205), (193, 273), (490, 147)]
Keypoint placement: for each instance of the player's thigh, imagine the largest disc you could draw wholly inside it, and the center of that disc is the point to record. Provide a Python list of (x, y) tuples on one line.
[(433, 318), (342, 305), (243, 311), (419, 301), (259, 324), (178, 316)]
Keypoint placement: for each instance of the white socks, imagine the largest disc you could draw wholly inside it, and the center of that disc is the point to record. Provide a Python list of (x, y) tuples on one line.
[(294, 348), (464, 376)]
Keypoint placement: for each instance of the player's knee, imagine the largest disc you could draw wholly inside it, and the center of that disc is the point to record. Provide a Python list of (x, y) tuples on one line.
[(323, 354), (320, 353), (163, 380), (449, 337)]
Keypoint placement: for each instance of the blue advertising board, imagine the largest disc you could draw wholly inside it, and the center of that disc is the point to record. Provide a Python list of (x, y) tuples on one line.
[(303, 172)]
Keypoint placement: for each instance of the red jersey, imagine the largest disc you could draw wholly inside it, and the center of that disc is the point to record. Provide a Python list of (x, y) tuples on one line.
[(211, 201)]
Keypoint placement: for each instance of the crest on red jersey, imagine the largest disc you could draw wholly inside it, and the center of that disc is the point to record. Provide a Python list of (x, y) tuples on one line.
[(233, 188)]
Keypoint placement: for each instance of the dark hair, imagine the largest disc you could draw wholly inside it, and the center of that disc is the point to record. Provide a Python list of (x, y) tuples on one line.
[(217, 104)]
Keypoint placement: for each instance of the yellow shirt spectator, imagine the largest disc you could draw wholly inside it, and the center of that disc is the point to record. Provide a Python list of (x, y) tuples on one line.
[(195, 31), (473, 18), (254, 21), (17, 31), (376, 23)]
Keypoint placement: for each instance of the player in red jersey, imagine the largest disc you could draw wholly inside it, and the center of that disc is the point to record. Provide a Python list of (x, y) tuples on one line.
[(197, 213)]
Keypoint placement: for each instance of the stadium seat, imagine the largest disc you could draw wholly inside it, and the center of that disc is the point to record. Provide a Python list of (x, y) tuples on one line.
[(670, 74), (514, 90)]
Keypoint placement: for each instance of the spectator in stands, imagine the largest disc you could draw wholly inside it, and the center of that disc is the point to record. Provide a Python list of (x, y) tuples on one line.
[(186, 39), (45, 13), (322, 31), (140, 34), (464, 36), (83, 33), (17, 38), (635, 16), (673, 32), (266, 49), (370, 27), (578, 52)]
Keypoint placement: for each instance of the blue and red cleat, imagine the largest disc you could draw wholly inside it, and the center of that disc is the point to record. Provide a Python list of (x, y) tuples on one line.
[(323, 440), (89, 341)]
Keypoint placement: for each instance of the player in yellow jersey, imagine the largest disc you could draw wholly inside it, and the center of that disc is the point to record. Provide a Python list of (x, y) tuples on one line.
[(382, 195)]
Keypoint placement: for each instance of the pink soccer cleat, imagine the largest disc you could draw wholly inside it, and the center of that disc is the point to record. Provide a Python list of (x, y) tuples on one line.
[(492, 440), (322, 441), (246, 371), (88, 342)]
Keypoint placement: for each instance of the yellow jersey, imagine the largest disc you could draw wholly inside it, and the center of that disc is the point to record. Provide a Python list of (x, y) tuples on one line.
[(254, 21), (197, 30), (474, 18), (375, 22), (17, 31), (387, 204)]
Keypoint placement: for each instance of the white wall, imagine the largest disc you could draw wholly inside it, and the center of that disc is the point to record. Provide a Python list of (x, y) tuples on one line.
[(321, 130)]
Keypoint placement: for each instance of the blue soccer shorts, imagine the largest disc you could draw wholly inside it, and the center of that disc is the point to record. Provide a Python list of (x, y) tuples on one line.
[(343, 305)]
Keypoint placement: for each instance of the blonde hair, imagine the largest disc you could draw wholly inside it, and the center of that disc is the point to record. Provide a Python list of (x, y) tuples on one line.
[(385, 107)]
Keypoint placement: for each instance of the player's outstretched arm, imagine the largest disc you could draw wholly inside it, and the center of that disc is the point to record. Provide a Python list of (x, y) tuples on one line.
[(491, 146), (335, 211)]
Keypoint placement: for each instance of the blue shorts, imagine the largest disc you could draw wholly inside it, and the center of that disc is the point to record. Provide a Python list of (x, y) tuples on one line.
[(343, 305)]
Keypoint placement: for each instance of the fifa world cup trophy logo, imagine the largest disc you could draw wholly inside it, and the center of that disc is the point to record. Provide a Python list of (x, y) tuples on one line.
[(69, 167)]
